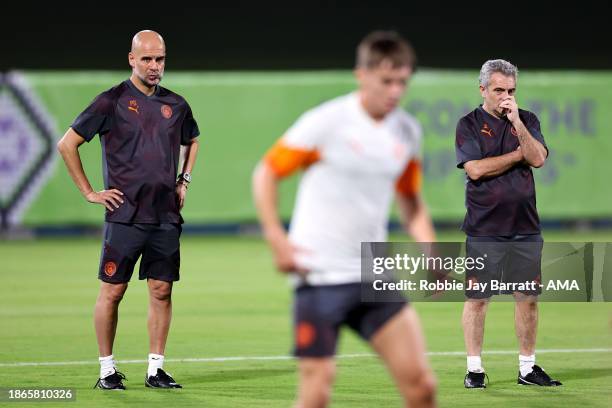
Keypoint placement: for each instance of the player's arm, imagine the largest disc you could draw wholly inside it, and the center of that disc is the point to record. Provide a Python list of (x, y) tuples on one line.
[(187, 160), (280, 161), (533, 151), (412, 209), (470, 156), (265, 196), (68, 148), (492, 166), (415, 218)]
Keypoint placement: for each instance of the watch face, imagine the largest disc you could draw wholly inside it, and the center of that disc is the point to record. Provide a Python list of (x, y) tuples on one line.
[(187, 177)]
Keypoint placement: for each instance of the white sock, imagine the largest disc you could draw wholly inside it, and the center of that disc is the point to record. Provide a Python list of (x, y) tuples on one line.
[(107, 366), (155, 361), (526, 364), (474, 364)]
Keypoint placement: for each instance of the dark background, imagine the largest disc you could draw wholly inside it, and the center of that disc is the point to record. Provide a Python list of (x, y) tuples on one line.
[(97, 36)]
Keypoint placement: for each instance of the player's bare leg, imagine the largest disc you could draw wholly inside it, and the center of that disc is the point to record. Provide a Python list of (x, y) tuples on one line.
[(160, 314), (526, 326), (526, 323), (316, 380), (473, 321), (401, 344), (106, 315)]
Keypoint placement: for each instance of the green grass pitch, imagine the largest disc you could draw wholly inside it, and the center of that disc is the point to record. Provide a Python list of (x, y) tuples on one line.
[(231, 303)]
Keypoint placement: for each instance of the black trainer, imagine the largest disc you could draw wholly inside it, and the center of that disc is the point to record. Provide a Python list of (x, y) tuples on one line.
[(537, 376), (475, 380), (161, 380), (111, 382)]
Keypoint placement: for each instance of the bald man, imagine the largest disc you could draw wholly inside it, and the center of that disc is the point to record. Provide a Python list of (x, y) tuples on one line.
[(147, 133)]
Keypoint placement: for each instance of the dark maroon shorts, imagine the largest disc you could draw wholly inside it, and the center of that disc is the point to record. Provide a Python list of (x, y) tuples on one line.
[(320, 311), (157, 244)]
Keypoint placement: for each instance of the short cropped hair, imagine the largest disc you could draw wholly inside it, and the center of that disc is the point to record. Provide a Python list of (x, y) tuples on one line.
[(497, 65), (379, 46)]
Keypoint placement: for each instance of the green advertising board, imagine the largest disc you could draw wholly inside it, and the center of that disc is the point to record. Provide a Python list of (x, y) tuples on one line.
[(241, 114)]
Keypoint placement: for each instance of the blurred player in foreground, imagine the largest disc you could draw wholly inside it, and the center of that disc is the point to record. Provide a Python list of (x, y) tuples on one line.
[(356, 151), (497, 144), (142, 127)]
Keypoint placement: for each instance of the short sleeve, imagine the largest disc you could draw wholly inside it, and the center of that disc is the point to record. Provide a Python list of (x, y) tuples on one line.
[(466, 145), (414, 134), (308, 131), (300, 146), (410, 181), (189, 129), (284, 160), (97, 118), (533, 125)]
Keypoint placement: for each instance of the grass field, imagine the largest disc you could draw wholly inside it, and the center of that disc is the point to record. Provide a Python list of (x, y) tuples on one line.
[(231, 303)]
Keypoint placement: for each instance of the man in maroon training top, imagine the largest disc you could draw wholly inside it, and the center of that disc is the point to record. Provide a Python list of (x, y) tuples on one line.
[(496, 145), (142, 127)]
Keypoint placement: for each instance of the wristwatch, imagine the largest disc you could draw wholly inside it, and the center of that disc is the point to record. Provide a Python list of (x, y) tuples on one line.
[(186, 177)]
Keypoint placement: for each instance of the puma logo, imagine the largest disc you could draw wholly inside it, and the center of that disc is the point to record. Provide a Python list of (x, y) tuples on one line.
[(486, 130), (133, 106)]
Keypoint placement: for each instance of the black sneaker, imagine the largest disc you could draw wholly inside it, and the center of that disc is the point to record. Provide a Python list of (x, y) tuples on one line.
[(537, 376), (475, 380), (161, 380), (111, 382)]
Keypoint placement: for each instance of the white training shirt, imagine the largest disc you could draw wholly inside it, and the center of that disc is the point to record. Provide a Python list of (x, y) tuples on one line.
[(344, 198)]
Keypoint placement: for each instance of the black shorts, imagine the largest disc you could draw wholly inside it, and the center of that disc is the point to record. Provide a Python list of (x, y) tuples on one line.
[(320, 311), (125, 243), (513, 264)]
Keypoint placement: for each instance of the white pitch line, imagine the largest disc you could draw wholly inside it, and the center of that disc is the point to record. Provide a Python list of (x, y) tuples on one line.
[(267, 358)]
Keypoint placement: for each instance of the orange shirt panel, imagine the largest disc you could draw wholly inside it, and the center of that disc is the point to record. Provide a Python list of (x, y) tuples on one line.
[(285, 160), (409, 183)]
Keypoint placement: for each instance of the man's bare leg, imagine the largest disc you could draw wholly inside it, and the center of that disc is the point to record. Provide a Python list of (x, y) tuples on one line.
[(160, 314), (106, 315), (526, 327), (526, 323), (316, 380), (473, 321), (401, 344)]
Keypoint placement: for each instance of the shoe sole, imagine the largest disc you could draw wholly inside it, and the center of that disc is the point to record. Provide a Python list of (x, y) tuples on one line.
[(527, 383), (147, 385), (475, 388)]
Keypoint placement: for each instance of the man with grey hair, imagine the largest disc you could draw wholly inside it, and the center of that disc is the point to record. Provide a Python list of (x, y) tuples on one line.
[(497, 144), (147, 133)]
